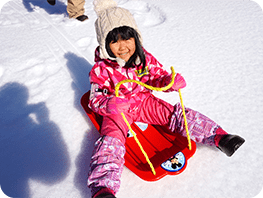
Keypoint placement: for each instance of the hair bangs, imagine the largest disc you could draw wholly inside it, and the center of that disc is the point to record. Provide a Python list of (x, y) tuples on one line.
[(123, 33)]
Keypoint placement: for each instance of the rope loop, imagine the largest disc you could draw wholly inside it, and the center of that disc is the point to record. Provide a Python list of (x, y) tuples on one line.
[(155, 89)]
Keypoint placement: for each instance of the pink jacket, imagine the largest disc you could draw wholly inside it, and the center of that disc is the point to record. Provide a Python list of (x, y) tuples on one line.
[(106, 73)]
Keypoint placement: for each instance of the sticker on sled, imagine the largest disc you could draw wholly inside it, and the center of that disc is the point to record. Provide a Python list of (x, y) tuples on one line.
[(174, 163)]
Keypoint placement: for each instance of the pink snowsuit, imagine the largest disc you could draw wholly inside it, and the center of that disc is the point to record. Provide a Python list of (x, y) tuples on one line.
[(108, 157)]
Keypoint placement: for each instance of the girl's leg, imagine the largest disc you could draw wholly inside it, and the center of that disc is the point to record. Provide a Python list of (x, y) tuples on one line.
[(204, 130), (108, 156), (155, 111), (115, 126), (201, 128), (106, 165)]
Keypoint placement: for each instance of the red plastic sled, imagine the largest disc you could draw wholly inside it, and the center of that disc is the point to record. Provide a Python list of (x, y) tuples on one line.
[(167, 151)]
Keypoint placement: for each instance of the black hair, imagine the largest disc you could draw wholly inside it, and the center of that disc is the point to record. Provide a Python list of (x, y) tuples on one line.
[(125, 33)]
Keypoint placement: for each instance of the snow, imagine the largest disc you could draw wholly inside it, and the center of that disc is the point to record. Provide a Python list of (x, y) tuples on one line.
[(46, 139)]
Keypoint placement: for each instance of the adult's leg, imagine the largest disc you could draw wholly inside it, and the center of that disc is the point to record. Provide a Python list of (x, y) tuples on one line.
[(75, 8)]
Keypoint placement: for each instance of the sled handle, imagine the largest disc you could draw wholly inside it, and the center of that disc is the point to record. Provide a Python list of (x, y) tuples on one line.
[(155, 89), (145, 85), (162, 89), (127, 123), (185, 121)]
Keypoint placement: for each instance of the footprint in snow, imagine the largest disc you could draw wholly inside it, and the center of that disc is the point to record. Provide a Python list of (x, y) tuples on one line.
[(84, 42), (144, 13), (87, 43)]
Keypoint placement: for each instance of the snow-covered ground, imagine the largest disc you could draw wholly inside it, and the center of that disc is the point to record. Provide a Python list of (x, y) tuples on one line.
[(46, 139)]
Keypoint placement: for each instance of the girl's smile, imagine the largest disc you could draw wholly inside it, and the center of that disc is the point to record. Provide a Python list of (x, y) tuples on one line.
[(123, 49)]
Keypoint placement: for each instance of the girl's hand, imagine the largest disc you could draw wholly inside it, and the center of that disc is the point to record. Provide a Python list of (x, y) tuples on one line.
[(117, 105), (179, 82)]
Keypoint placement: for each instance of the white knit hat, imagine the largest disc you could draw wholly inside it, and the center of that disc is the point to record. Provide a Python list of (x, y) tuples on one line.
[(109, 17)]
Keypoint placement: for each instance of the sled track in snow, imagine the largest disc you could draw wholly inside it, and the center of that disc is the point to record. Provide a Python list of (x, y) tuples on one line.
[(40, 20), (51, 29)]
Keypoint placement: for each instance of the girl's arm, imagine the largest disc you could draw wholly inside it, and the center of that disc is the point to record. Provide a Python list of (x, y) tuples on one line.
[(102, 98), (159, 77), (104, 104), (98, 99)]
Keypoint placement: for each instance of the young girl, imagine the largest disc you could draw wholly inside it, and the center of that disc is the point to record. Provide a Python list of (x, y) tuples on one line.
[(120, 56)]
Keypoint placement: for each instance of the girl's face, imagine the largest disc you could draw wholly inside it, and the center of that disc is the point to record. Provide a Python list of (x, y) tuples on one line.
[(123, 49)]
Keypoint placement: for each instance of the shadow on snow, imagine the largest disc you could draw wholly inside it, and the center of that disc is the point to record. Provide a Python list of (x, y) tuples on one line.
[(59, 8), (31, 145), (79, 69)]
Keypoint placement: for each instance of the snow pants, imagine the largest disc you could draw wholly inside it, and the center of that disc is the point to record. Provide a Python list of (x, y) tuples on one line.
[(75, 8), (108, 157)]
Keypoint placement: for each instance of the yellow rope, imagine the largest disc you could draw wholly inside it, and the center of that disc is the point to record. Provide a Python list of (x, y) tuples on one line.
[(155, 89), (139, 144), (185, 121), (145, 85)]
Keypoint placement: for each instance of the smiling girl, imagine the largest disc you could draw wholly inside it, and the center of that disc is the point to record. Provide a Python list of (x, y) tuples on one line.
[(120, 56)]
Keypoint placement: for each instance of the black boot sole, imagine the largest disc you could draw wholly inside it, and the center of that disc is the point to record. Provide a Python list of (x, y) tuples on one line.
[(230, 143), (51, 2), (82, 18)]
